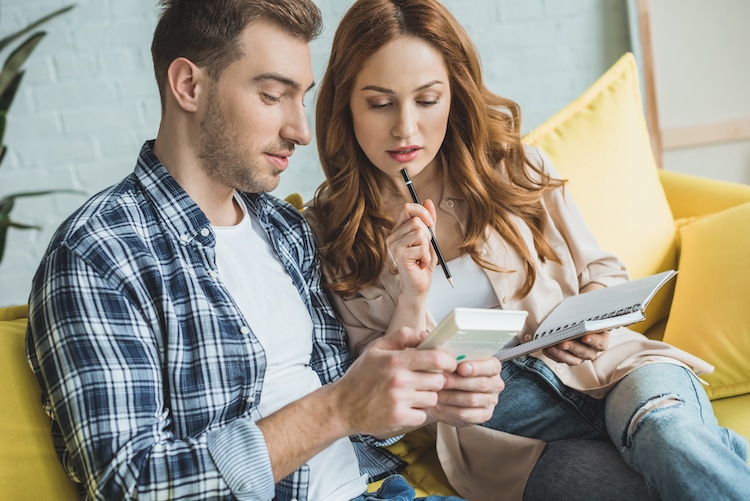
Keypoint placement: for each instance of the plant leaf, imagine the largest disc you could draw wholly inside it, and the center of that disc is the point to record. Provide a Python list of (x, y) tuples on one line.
[(10, 80), (13, 36), (5, 224), (3, 236), (3, 123), (21, 226), (6, 98), (7, 202), (6, 205), (25, 194), (17, 58)]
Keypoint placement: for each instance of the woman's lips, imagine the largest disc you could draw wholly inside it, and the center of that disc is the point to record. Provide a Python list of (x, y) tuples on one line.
[(405, 154)]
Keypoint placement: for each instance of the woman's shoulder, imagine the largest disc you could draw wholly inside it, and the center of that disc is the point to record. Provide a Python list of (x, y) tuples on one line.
[(541, 162), (538, 158), (313, 215)]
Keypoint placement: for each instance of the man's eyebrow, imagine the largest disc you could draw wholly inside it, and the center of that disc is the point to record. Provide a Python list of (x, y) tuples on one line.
[(389, 91), (293, 84)]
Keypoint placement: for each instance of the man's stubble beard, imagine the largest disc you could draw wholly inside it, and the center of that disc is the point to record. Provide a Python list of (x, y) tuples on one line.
[(223, 158)]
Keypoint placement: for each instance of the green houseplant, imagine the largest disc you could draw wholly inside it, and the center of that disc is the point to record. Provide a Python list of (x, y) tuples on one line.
[(10, 80)]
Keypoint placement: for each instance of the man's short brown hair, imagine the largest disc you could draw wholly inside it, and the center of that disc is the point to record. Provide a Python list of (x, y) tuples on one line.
[(207, 31)]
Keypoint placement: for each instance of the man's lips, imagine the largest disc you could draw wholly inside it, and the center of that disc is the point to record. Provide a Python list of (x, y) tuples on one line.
[(406, 154), (280, 160)]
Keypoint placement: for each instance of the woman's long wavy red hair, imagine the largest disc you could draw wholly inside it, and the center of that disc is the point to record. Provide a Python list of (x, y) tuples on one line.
[(482, 151)]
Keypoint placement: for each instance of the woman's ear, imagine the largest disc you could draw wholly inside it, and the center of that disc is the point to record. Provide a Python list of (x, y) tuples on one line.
[(184, 80)]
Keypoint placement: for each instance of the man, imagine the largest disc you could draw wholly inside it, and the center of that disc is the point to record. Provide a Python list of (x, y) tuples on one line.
[(178, 328)]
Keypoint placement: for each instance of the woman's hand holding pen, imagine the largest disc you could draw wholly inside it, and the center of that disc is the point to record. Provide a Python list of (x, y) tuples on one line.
[(409, 246)]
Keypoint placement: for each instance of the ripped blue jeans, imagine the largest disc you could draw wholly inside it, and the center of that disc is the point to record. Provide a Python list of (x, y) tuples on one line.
[(658, 417)]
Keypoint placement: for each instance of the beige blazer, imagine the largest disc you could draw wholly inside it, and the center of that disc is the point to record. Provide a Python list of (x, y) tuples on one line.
[(485, 464)]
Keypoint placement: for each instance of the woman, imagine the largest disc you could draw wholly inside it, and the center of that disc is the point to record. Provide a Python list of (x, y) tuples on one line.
[(403, 90)]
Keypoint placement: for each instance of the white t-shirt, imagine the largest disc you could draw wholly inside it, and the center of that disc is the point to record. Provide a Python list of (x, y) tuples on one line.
[(263, 290), (473, 289)]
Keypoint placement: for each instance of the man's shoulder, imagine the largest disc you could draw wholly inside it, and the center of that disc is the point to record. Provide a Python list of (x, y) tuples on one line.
[(285, 209), (285, 225), (279, 212), (113, 213)]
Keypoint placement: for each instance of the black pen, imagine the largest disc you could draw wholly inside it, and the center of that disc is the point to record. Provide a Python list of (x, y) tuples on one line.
[(435, 245)]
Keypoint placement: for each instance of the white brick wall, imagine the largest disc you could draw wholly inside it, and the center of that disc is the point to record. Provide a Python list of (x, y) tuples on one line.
[(88, 100)]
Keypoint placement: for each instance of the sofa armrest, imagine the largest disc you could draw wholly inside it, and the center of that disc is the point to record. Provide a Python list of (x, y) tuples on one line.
[(29, 466), (691, 196)]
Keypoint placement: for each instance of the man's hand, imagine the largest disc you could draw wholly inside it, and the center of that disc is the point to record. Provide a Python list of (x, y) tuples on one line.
[(470, 394), (387, 391), (575, 351), (391, 387)]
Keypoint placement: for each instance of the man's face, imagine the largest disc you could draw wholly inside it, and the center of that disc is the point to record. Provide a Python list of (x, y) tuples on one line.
[(254, 113)]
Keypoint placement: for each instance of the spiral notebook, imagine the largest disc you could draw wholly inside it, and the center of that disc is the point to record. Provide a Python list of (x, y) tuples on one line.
[(608, 308)]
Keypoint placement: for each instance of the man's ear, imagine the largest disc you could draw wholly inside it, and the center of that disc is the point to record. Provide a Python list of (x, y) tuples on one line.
[(184, 83)]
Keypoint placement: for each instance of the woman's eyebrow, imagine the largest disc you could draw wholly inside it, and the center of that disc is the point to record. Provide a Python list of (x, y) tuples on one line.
[(384, 90)]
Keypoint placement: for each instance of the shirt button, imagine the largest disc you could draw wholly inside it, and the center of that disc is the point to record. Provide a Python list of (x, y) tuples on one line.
[(213, 274), (506, 300), (450, 204), (245, 330), (250, 400), (205, 232), (184, 237), (482, 252)]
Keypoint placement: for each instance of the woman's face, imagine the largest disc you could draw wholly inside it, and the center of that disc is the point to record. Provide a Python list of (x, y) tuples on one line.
[(400, 105)]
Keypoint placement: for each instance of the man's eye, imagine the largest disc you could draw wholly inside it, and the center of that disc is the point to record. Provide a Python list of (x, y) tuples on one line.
[(271, 99)]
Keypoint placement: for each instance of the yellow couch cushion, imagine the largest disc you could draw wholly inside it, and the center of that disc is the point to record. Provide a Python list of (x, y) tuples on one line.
[(29, 467), (600, 143), (732, 413), (424, 472), (691, 196), (710, 316)]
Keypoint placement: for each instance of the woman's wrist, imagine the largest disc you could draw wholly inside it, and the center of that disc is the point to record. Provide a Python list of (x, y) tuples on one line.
[(411, 311)]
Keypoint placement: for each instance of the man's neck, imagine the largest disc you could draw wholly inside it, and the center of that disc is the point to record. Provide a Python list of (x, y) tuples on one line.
[(216, 200)]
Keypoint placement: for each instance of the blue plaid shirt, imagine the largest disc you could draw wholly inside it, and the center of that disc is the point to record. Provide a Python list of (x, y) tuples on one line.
[(149, 371)]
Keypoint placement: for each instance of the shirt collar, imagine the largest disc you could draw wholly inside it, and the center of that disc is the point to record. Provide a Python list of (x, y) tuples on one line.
[(179, 213)]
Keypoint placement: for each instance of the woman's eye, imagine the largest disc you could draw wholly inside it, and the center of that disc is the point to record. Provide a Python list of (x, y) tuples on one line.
[(379, 106), (430, 102)]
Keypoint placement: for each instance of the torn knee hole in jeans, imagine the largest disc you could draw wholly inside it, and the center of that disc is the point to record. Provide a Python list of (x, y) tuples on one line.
[(655, 404)]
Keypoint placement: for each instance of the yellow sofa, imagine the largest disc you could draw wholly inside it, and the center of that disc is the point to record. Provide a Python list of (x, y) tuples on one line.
[(653, 219)]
